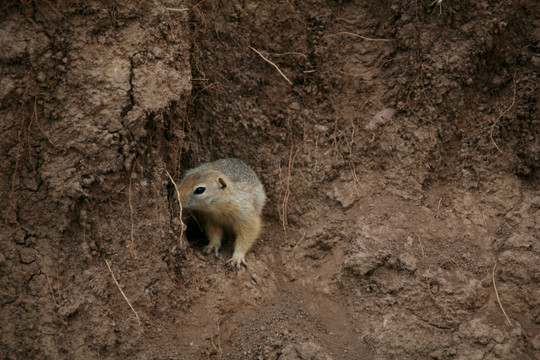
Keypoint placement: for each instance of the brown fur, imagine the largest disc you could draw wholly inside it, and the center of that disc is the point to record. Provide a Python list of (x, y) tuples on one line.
[(226, 204)]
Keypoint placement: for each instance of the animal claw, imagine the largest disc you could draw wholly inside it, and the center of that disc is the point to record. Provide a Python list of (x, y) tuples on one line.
[(211, 248), (235, 263)]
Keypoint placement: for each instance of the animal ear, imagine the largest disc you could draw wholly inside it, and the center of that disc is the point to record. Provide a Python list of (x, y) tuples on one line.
[(223, 183)]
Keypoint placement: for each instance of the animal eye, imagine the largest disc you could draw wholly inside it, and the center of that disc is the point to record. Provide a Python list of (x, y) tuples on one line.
[(199, 190)]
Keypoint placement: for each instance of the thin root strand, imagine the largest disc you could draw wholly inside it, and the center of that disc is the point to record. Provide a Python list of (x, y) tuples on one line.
[(122, 292), (271, 63)]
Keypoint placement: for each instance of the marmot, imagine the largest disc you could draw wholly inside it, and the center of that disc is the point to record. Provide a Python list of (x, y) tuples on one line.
[(228, 195)]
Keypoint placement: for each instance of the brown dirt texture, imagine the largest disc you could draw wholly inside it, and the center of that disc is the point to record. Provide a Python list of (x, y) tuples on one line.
[(398, 143)]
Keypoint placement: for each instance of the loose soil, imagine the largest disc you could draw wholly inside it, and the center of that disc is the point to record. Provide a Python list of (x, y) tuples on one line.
[(399, 145)]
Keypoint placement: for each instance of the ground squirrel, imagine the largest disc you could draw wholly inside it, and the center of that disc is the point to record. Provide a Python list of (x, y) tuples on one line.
[(228, 195)]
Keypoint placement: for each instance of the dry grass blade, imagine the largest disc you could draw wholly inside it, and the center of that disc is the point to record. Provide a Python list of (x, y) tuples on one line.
[(206, 88), (290, 53), (182, 225), (497, 294), (271, 63), (217, 348), (360, 36), (285, 204), (122, 292), (177, 10), (51, 290)]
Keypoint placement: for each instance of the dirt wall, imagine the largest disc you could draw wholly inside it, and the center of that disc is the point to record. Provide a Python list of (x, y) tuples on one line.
[(398, 144)]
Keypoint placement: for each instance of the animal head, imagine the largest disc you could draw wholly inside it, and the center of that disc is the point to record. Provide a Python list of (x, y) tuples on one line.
[(204, 190)]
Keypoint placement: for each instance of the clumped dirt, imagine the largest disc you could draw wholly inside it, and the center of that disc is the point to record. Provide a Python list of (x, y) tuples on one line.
[(399, 148)]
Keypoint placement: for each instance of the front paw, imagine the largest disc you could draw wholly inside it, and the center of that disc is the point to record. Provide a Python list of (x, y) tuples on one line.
[(235, 263), (211, 248)]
